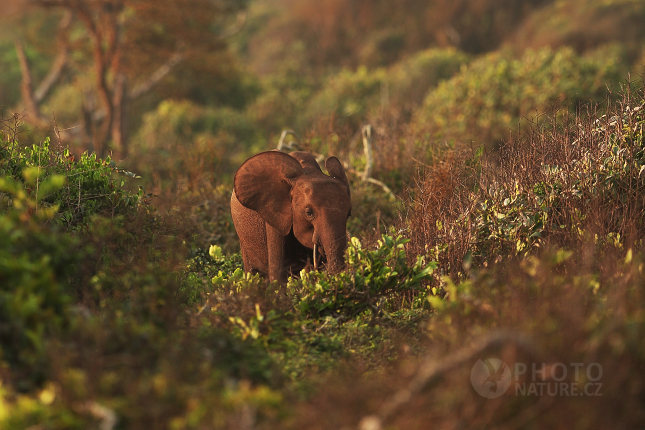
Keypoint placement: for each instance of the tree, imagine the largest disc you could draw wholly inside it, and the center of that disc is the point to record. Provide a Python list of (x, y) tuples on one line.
[(121, 41)]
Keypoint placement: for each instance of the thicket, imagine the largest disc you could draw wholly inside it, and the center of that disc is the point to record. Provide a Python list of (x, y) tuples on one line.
[(93, 313), (123, 303), (350, 97), (118, 315), (499, 93), (521, 255), (572, 179)]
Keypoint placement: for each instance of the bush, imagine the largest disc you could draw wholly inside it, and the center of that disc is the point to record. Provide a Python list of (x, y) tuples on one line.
[(320, 323), (374, 280), (410, 80), (348, 96), (570, 182), (35, 262), (96, 322), (540, 311), (182, 138), (497, 92), (83, 188), (351, 97), (283, 100), (42, 193)]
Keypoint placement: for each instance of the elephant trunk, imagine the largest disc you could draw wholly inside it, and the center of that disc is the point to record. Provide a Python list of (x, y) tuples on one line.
[(334, 244)]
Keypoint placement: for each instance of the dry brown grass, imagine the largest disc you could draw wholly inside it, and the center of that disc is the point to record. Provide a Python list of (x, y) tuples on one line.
[(579, 174)]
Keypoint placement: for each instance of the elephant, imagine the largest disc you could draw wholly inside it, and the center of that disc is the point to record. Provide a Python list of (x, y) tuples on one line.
[(286, 211)]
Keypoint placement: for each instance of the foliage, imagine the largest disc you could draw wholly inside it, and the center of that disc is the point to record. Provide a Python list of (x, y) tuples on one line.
[(496, 92), (372, 280), (576, 179), (318, 321), (608, 177), (83, 188), (348, 95), (118, 306), (410, 79), (353, 96), (543, 311), (284, 97), (181, 135), (584, 25), (34, 259), (80, 322)]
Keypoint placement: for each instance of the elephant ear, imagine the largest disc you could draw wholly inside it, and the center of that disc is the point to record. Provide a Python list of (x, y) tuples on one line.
[(263, 184), (307, 161), (337, 171)]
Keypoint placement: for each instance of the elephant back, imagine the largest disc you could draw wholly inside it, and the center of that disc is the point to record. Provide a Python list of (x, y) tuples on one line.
[(308, 162)]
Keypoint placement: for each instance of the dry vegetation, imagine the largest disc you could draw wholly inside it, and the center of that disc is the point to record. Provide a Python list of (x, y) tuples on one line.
[(515, 231)]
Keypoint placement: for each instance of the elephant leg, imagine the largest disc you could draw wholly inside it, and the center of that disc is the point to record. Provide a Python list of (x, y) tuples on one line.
[(250, 229), (276, 250)]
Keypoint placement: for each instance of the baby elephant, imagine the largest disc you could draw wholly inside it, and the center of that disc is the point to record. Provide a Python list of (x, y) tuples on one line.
[(288, 213)]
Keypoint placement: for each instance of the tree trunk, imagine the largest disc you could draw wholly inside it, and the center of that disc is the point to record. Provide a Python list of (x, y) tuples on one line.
[(119, 125)]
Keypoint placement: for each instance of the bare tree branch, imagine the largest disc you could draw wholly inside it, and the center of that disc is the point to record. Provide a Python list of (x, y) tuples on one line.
[(26, 90), (157, 76), (100, 65), (291, 145), (52, 77), (432, 371), (104, 21), (366, 132), (120, 105), (59, 63)]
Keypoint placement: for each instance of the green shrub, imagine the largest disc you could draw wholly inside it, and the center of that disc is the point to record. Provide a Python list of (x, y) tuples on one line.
[(181, 138), (35, 263), (85, 187), (495, 93), (410, 80), (348, 96), (352, 96), (374, 281), (316, 322), (283, 100)]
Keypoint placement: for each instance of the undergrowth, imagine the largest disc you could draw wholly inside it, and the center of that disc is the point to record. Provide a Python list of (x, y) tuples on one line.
[(113, 313)]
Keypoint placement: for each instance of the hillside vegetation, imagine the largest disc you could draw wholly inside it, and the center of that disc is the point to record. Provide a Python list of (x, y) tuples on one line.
[(504, 219)]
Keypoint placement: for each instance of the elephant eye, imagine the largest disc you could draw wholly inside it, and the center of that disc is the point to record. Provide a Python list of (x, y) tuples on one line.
[(309, 212)]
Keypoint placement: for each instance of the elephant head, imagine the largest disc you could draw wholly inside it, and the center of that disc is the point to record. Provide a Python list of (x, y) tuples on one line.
[(291, 194)]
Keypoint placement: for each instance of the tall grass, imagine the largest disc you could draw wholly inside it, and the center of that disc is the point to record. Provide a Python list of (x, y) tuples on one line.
[(570, 181)]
